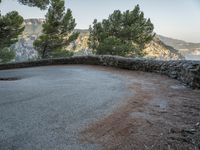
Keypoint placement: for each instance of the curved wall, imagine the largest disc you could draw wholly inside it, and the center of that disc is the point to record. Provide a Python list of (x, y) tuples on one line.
[(187, 72)]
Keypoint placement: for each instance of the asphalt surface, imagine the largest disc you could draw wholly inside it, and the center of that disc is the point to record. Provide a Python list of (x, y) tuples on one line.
[(47, 106)]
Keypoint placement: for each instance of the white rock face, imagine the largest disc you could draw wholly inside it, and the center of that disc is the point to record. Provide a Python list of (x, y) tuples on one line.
[(24, 47)]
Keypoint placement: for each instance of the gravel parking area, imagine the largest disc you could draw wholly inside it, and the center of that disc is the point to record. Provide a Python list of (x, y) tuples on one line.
[(92, 107)]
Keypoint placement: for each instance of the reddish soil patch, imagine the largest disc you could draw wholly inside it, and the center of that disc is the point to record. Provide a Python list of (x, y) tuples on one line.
[(160, 114)]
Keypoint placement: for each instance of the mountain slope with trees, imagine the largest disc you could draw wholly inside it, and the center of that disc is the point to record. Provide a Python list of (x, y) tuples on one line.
[(126, 34), (156, 49)]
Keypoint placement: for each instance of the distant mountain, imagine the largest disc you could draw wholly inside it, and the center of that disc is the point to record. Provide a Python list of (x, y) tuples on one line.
[(187, 49), (33, 28)]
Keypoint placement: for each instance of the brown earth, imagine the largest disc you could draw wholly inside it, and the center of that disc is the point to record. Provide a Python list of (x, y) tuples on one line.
[(161, 113)]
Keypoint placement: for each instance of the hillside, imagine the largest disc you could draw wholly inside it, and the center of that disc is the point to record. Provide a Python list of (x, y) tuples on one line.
[(156, 49), (33, 28), (188, 49)]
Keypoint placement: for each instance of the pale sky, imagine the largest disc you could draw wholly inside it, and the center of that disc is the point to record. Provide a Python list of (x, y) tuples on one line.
[(173, 18)]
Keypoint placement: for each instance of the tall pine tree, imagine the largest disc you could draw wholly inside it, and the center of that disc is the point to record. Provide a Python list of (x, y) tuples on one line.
[(11, 25), (122, 33), (58, 31)]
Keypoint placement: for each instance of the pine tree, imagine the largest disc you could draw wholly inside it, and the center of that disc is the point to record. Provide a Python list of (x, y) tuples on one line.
[(42, 4), (57, 31), (11, 25), (122, 33), (6, 54)]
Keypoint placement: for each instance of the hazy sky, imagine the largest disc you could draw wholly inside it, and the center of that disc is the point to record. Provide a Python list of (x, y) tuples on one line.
[(173, 18)]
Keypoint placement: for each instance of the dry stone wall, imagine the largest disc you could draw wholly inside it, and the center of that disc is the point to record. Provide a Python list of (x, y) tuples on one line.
[(187, 72)]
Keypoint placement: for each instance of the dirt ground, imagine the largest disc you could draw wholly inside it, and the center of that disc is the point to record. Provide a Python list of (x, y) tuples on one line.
[(159, 114)]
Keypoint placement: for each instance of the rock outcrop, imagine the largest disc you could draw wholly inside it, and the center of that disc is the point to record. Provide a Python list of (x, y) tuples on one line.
[(191, 51), (156, 49)]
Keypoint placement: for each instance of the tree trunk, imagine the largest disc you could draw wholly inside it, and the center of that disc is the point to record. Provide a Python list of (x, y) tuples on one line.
[(44, 51)]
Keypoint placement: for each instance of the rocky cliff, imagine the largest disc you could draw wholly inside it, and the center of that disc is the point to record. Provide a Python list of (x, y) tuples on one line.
[(24, 47), (156, 49), (189, 50)]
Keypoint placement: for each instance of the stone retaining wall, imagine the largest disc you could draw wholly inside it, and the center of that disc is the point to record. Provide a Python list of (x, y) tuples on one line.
[(187, 72)]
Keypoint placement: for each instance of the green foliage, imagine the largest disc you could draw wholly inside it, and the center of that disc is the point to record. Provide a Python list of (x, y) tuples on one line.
[(62, 53), (6, 54), (122, 33), (10, 27), (114, 46), (42, 4), (57, 30)]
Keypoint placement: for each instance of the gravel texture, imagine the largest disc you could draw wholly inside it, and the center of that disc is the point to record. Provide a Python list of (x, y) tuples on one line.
[(47, 106), (77, 107)]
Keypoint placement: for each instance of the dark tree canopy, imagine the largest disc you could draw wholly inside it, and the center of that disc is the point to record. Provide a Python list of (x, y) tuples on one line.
[(6, 55), (122, 33), (11, 25), (42, 4), (57, 31)]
